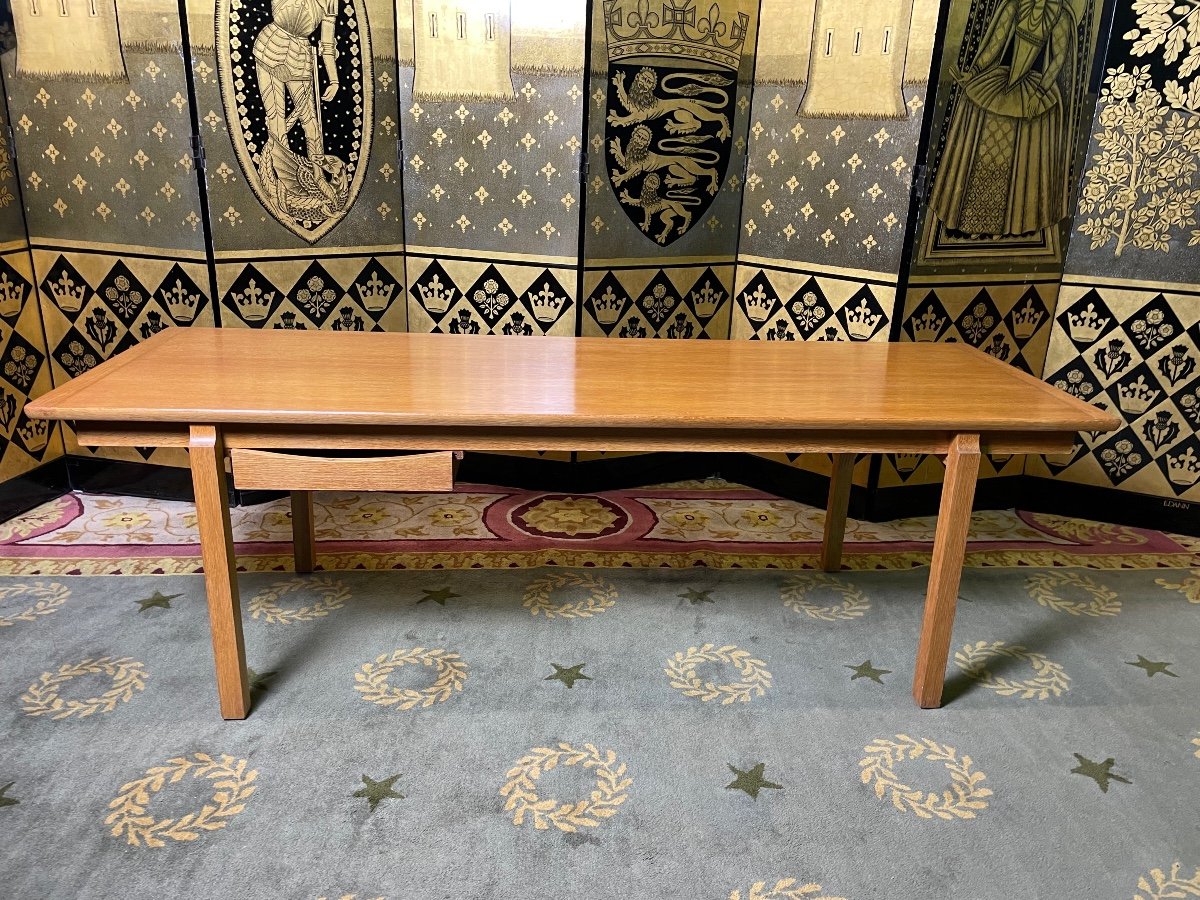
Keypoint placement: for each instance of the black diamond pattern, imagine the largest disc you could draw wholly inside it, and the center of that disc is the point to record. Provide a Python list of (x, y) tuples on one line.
[(759, 300), (1154, 326), (375, 289), (316, 294), (658, 300), (546, 300), (809, 309), (253, 297), (929, 320), (608, 303), (490, 296), (1087, 320), (14, 290), (979, 319), (180, 296), (862, 316), (435, 291), (706, 297), (66, 288), (123, 294)]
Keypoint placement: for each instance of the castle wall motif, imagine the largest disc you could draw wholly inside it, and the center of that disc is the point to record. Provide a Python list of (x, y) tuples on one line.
[(462, 50), (68, 38), (857, 59)]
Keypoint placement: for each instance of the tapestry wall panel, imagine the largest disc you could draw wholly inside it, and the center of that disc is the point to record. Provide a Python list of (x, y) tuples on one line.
[(103, 145), (669, 108), (491, 112), (298, 116)]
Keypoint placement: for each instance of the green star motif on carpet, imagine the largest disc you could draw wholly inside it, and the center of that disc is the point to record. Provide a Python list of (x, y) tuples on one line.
[(1101, 772), (1153, 668), (693, 596), (376, 792), (7, 801), (568, 676), (751, 781), (157, 600), (866, 670), (438, 595)]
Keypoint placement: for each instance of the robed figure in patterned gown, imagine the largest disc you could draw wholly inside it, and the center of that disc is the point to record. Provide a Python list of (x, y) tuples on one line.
[(1003, 169)]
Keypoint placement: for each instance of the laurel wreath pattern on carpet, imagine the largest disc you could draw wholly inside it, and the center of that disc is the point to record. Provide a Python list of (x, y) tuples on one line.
[(373, 684), (46, 597), (754, 681), (783, 889), (232, 785), (1050, 679), (602, 595), (42, 697), (265, 604), (961, 801), (522, 799), (1188, 586), (796, 591), (1044, 588), (1171, 885)]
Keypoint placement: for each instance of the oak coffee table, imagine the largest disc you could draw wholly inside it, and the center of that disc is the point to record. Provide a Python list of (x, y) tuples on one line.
[(281, 403)]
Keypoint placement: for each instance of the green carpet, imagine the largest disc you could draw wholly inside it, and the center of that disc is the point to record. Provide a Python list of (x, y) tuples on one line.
[(603, 734)]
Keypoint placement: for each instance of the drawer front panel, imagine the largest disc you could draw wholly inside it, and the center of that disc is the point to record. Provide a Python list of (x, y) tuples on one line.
[(280, 471)]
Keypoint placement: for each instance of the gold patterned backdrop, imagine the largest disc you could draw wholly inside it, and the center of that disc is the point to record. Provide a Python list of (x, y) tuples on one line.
[(787, 170)]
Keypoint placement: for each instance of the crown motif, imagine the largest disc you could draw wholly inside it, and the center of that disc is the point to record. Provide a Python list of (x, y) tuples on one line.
[(34, 434), (376, 294), (1026, 320), (607, 307), (66, 293), (1183, 468), (929, 326), (634, 28), (180, 303), (545, 303), (11, 295), (1136, 397), (907, 462), (706, 300), (435, 296), (1086, 326), (860, 321), (254, 303), (758, 304)]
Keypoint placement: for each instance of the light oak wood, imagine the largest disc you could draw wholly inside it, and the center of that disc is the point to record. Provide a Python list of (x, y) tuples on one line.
[(234, 376), (220, 572), (835, 511), (255, 392), (945, 569), (304, 536), (364, 437), (427, 472)]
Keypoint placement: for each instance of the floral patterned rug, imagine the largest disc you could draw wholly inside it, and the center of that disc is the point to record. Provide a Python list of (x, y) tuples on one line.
[(695, 523)]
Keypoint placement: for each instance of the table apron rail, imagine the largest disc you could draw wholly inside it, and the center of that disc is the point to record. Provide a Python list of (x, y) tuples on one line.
[(709, 440)]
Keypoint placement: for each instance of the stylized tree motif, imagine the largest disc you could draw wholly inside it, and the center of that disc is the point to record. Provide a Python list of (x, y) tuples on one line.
[(1139, 188)]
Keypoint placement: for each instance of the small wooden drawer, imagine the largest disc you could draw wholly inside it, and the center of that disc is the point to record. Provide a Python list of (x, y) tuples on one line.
[(283, 471)]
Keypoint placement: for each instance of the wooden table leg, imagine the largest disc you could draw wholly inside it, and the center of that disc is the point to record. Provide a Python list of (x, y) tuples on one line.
[(304, 538), (207, 455), (945, 570), (835, 511)]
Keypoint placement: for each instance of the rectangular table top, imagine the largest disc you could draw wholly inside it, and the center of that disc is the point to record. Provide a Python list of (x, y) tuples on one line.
[(237, 376)]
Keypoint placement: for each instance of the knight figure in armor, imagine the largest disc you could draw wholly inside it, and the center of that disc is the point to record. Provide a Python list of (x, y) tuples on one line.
[(312, 186)]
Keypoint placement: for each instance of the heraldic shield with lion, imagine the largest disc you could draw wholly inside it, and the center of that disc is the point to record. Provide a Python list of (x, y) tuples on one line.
[(296, 85), (672, 81)]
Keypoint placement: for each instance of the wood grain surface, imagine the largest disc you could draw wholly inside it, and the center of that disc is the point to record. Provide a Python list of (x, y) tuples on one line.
[(224, 376)]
